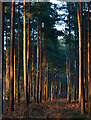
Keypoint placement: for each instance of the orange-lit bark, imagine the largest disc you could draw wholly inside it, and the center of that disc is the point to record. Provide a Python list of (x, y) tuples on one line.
[(52, 91), (12, 59), (79, 27), (24, 45), (59, 89), (37, 78), (28, 62), (7, 62)]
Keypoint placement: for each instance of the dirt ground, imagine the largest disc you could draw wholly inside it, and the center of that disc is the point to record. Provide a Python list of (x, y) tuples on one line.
[(54, 109)]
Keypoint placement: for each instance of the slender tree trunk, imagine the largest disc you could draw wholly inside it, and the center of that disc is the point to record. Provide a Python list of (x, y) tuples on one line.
[(12, 59), (75, 80), (69, 65), (59, 89), (40, 65), (52, 91), (33, 62), (79, 27), (89, 68), (82, 66), (1, 55), (28, 62), (84, 74), (7, 62), (37, 79), (19, 53), (67, 81), (47, 82), (45, 72), (28, 59), (24, 48), (14, 76)]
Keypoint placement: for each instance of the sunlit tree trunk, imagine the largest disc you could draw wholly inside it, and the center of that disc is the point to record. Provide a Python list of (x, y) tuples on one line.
[(82, 65), (52, 91), (69, 99), (55, 88), (37, 78), (19, 53), (7, 62), (33, 61), (89, 68), (24, 48), (28, 61), (79, 27), (12, 58), (40, 65)]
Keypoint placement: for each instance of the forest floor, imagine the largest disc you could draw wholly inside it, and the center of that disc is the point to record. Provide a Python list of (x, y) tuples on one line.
[(55, 109)]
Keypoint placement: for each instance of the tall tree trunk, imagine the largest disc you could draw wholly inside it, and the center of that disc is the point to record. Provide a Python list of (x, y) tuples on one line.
[(33, 62), (7, 62), (82, 66), (28, 61), (89, 68), (37, 79), (40, 65), (14, 75), (19, 53), (75, 80), (12, 59), (1, 55), (84, 73), (79, 27), (69, 99), (45, 71), (24, 48)]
